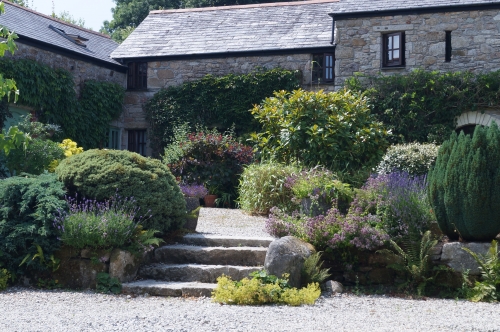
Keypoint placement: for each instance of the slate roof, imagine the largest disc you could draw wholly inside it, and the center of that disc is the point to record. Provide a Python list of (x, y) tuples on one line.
[(252, 28), (32, 26), (355, 6), (213, 30)]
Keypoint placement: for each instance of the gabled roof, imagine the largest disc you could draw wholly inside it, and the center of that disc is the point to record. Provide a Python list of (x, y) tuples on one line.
[(232, 29), (367, 8), (61, 37)]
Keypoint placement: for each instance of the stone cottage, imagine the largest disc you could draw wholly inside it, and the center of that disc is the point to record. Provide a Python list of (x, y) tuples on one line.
[(84, 53)]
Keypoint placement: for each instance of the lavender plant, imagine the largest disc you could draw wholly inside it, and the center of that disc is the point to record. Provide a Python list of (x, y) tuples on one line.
[(100, 225), (194, 190), (401, 202)]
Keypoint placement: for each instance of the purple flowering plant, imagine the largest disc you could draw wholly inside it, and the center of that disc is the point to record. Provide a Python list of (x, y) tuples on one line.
[(194, 190), (333, 230), (114, 223), (400, 200)]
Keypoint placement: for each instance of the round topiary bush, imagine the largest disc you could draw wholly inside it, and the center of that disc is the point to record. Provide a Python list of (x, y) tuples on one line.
[(413, 158), (98, 174)]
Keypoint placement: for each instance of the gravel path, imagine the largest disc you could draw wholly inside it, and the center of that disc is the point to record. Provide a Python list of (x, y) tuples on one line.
[(31, 310), (24, 309), (230, 222)]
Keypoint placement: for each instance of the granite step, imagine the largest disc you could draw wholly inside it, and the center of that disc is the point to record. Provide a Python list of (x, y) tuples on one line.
[(185, 254), (169, 288), (195, 272), (225, 241)]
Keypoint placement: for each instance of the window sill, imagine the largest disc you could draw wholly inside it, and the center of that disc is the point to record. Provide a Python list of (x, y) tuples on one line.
[(393, 67)]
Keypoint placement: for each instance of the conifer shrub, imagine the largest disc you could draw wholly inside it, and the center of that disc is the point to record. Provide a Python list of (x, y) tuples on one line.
[(464, 186), (99, 174), (413, 158), (28, 206)]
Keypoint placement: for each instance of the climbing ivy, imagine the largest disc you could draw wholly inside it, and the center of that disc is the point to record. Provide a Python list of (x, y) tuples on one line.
[(51, 93), (215, 101)]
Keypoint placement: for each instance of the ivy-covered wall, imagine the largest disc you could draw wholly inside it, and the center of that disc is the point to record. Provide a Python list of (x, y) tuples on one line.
[(52, 94)]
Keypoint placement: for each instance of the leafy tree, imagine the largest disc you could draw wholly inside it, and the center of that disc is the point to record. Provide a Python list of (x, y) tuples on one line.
[(128, 14), (7, 86)]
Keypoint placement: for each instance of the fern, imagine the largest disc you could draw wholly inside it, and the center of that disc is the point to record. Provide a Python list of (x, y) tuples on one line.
[(312, 271), (414, 260), (488, 288)]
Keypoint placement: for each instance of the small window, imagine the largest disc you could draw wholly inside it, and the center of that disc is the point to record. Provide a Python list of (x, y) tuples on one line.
[(323, 70), (137, 75), (447, 56), (113, 139), (137, 141), (393, 49)]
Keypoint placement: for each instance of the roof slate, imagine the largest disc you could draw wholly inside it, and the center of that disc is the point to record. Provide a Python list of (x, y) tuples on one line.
[(263, 27), (30, 24), (230, 29), (353, 6)]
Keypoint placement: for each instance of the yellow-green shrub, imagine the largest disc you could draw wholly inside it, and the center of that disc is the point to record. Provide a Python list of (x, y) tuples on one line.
[(253, 291), (4, 277)]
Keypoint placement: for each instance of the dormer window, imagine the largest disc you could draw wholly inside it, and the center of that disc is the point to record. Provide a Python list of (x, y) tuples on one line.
[(77, 39)]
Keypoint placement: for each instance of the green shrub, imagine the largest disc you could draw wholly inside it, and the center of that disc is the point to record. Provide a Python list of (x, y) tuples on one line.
[(312, 272), (106, 284), (263, 289), (208, 157), (421, 106), (464, 186), (263, 186), (28, 206), (413, 158), (334, 129), (98, 174), (37, 157), (214, 102)]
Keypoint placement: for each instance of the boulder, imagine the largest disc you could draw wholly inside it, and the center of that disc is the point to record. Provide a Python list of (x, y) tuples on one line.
[(332, 287), (79, 273), (123, 265), (459, 260), (287, 255)]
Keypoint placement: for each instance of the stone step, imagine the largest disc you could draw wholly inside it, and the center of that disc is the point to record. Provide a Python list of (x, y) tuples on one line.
[(168, 288), (184, 254), (195, 272), (225, 241)]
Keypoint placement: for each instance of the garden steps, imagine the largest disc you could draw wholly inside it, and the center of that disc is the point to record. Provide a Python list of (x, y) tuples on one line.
[(195, 272), (191, 267)]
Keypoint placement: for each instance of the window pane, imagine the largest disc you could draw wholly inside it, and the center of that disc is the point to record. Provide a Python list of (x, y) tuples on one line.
[(396, 41), (389, 43), (389, 55), (396, 54)]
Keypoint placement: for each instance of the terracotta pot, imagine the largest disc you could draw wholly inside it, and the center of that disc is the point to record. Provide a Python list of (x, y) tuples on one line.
[(210, 200)]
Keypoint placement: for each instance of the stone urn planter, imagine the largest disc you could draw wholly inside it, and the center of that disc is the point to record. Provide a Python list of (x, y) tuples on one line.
[(192, 219), (210, 200), (315, 208), (192, 203)]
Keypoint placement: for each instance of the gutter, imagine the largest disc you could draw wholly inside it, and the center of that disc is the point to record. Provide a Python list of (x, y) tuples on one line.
[(416, 11)]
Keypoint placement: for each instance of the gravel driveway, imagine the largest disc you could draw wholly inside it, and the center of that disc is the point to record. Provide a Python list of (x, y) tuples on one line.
[(24, 309)]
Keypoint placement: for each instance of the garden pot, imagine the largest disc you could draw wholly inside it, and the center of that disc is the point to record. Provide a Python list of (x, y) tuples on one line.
[(210, 200), (192, 203), (192, 220)]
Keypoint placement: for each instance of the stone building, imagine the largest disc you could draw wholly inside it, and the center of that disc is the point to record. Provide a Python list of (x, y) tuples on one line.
[(83, 53)]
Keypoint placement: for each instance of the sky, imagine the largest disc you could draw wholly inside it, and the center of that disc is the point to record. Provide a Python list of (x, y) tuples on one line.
[(93, 12)]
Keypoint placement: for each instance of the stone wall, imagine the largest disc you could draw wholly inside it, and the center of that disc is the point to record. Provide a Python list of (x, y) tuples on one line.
[(163, 74), (80, 70), (475, 42)]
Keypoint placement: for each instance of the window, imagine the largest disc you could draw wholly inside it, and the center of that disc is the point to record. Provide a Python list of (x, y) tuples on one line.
[(323, 68), (447, 56), (137, 75), (113, 139), (137, 141), (393, 49)]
